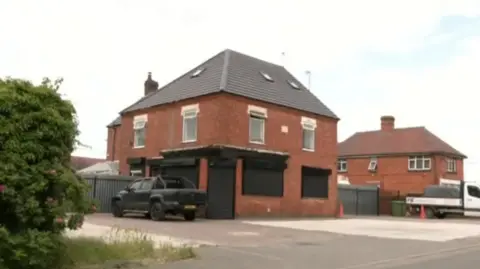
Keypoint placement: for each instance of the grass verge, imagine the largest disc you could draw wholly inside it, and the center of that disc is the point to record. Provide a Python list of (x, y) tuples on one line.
[(90, 252)]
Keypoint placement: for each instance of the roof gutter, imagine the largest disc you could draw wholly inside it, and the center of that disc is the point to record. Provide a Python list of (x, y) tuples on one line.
[(402, 154)]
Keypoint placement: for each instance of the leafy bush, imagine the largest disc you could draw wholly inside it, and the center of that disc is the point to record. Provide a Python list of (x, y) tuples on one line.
[(38, 131)]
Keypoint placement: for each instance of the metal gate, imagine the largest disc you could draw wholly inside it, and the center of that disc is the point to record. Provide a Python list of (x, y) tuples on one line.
[(104, 187), (359, 199)]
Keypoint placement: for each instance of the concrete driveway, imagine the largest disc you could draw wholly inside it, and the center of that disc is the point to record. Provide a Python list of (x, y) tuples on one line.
[(244, 245), (393, 228), (217, 232)]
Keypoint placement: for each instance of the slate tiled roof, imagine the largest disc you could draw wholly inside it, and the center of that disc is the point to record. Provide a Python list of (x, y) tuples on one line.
[(238, 74), (105, 168), (83, 162), (397, 141), (115, 122)]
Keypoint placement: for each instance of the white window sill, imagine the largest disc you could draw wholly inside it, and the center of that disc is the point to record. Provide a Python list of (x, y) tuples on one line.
[(189, 141), (257, 142), (342, 171), (309, 150), (138, 147), (419, 170)]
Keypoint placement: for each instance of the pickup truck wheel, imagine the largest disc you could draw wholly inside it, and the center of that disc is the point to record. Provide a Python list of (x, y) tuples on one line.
[(117, 210), (189, 215), (440, 215), (429, 213), (156, 212)]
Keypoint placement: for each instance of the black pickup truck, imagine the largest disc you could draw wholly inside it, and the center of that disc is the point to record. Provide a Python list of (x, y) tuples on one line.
[(159, 196)]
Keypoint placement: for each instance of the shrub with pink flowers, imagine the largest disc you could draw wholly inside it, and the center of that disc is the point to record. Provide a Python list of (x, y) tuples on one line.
[(38, 131)]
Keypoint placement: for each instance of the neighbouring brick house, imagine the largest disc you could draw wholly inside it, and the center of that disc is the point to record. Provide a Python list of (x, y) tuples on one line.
[(241, 128), (402, 160), (79, 163)]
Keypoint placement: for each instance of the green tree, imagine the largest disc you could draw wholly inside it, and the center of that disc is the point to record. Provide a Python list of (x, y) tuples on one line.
[(38, 187)]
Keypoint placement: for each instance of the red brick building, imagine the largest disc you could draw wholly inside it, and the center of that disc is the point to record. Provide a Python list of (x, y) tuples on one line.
[(241, 128), (398, 159)]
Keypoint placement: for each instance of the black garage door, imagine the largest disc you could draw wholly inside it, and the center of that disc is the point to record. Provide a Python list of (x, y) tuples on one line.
[(188, 168), (190, 172), (221, 189)]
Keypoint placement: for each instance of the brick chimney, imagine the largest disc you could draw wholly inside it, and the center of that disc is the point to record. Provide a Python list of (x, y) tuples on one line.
[(387, 123), (150, 85)]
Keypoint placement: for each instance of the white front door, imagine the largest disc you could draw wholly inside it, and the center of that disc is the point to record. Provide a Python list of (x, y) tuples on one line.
[(471, 202)]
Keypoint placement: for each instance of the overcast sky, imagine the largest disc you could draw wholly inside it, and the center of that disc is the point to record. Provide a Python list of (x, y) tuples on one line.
[(418, 60)]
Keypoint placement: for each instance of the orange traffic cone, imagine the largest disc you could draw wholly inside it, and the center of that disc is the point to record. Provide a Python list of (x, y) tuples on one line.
[(422, 212), (340, 211)]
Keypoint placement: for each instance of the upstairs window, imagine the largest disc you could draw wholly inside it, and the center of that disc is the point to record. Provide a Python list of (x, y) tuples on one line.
[(342, 165), (139, 131), (451, 165), (257, 118), (419, 163), (308, 133), (372, 166), (189, 115)]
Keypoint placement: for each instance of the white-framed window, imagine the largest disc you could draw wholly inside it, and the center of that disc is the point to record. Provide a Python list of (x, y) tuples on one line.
[(342, 165), (419, 163), (257, 117), (308, 133), (372, 166), (451, 165), (190, 122), (139, 131), (136, 173)]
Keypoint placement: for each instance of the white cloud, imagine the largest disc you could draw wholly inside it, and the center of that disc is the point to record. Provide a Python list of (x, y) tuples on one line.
[(104, 49)]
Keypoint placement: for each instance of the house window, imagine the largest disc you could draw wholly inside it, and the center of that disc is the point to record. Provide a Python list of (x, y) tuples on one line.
[(372, 166), (342, 165), (314, 182), (257, 116), (308, 129), (451, 165), (139, 131), (419, 163), (136, 173), (189, 114), (263, 177)]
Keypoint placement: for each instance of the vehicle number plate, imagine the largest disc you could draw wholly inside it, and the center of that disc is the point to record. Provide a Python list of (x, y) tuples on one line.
[(190, 207)]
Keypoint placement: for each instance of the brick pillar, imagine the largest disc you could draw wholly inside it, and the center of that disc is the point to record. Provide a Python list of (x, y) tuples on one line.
[(203, 177), (238, 186)]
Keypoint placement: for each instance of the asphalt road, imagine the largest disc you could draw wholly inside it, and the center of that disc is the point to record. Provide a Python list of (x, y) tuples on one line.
[(364, 256), (243, 246)]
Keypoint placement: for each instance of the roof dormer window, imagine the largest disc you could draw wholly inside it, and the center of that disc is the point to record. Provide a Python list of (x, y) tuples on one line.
[(266, 76), (197, 72), (293, 84)]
